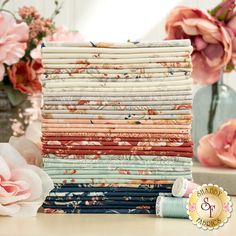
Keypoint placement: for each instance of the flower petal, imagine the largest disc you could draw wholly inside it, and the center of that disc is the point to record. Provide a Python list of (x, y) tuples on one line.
[(206, 153)]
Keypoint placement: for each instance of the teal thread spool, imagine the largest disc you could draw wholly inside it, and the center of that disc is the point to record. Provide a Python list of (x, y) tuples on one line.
[(171, 207)]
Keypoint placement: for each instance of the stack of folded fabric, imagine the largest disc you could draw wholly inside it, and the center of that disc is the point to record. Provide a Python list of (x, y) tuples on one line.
[(116, 124)]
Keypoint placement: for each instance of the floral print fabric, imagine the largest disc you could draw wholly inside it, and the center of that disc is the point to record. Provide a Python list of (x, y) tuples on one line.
[(116, 124)]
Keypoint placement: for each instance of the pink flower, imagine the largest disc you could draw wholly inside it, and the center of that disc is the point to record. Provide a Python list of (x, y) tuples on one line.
[(224, 142), (219, 149), (28, 149), (211, 42), (231, 25), (29, 145), (25, 12), (24, 76), (23, 187), (36, 53), (64, 35), (13, 38), (33, 133), (206, 153)]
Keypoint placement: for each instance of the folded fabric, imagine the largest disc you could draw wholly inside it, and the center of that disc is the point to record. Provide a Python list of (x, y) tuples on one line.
[(80, 67), (123, 148), (113, 126), (111, 188), (165, 43), (164, 109), (184, 58), (121, 206), (113, 96), (116, 116), (120, 152), (118, 171), (136, 100), (116, 91), (114, 130), (116, 124), (143, 159), (135, 159), (94, 84), (116, 182), (142, 69), (129, 122), (112, 143), (94, 195), (116, 80), (118, 135), (91, 204), (98, 211), (159, 76), (117, 179), (125, 55), (102, 198), (102, 103)]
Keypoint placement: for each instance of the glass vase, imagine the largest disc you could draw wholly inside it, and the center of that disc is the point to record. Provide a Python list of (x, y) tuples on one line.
[(212, 106), (15, 119)]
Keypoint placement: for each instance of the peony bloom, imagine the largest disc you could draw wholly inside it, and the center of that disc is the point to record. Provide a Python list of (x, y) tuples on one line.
[(23, 187), (219, 148), (231, 26), (224, 142), (24, 76), (211, 42), (13, 38)]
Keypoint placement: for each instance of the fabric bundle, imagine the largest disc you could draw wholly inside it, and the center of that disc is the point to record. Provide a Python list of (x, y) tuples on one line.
[(116, 124)]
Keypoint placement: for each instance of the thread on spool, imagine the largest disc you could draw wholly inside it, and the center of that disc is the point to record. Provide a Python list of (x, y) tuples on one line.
[(171, 207), (183, 187)]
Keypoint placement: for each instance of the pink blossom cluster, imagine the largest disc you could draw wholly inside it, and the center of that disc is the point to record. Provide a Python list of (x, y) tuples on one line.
[(40, 27), (28, 12)]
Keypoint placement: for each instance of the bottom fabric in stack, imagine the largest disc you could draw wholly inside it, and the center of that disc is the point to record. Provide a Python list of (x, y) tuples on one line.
[(111, 184), (92, 198)]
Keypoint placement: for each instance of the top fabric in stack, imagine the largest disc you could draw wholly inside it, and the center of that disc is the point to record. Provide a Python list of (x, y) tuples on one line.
[(116, 116)]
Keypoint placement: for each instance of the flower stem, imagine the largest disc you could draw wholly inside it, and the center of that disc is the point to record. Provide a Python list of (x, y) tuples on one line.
[(213, 106)]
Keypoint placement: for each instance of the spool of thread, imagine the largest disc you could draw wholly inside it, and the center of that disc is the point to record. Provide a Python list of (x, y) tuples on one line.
[(183, 187), (171, 207)]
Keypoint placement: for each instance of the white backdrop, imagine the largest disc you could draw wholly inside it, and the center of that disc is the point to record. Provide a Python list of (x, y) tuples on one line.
[(116, 20)]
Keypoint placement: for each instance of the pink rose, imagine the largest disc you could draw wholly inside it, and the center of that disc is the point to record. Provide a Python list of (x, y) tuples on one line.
[(33, 133), (224, 142), (24, 76), (30, 145), (211, 42), (232, 26), (23, 187), (219, 148), (13, 38), (207, 154), (28, 149)]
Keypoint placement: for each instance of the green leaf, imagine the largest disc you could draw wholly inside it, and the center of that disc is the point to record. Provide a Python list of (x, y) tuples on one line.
[(15, 97)]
